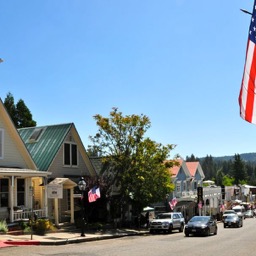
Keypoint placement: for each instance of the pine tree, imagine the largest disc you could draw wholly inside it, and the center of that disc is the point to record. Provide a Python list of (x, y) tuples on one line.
[(19, 113)]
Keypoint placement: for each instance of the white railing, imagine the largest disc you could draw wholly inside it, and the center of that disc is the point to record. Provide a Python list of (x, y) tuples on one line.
[(26, 214)]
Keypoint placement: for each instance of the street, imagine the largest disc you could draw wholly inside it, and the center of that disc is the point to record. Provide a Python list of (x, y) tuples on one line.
[(229, 241)]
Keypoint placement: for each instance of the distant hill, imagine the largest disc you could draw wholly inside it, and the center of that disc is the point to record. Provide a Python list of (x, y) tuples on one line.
[(247, 157)]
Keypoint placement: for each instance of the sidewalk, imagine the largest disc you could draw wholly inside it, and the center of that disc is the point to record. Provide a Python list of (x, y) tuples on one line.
[(66, 237)]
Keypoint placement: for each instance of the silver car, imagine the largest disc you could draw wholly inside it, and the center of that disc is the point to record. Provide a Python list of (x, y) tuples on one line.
[(167, 222)]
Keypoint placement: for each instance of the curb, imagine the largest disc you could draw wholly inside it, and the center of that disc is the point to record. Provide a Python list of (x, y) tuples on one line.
[(71, 240), (22, 242)]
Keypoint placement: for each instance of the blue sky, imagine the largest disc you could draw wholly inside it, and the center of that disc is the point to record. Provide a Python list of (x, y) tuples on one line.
[(180, 62)]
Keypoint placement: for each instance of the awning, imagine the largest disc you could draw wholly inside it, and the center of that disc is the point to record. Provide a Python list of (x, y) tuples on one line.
[(148, 209), (66, 182), (8, 172)]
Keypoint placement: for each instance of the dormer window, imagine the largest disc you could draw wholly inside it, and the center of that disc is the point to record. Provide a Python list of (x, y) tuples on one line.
[(35, 135)]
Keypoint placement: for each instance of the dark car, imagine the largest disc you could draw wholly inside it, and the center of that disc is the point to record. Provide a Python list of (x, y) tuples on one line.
[(201, 225), (233, 220)]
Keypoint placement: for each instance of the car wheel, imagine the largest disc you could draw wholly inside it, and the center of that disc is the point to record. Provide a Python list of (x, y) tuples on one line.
[(181, 227), (186, 234), (225, 226), (151, 231), (216, 231), (170, 229), (208, 232)]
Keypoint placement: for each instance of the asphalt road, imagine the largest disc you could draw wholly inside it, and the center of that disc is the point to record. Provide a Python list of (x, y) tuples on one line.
[(228, 242)]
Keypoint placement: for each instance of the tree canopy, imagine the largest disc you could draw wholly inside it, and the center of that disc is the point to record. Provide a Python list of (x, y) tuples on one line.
[(133, 162), (19, 113)]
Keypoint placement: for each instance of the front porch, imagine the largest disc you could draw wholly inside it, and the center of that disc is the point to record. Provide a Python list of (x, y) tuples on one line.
[(26, 214)]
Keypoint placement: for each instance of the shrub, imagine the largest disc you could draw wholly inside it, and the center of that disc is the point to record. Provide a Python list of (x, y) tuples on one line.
[(3, 226), (42, 225)]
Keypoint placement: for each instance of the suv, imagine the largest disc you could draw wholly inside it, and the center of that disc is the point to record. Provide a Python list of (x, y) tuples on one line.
[(167, 222)]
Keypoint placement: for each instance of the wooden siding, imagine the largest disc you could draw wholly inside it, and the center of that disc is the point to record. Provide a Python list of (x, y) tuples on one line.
[(58, 169), (12, 156)]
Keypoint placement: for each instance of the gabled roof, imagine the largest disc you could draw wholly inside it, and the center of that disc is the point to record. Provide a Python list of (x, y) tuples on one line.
[(12, 131), (193, 167), (176, 169), (45, 147), (44, 143), (97, 164)]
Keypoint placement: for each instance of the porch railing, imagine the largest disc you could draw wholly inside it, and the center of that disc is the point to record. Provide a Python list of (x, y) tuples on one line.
[(26, 214)]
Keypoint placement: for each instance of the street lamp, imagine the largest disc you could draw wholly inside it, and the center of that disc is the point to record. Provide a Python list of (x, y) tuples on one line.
[(82, 186)]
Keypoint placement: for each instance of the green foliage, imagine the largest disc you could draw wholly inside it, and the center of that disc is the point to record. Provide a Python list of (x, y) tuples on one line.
[(3, 226), (239, 171), (227, 181), (43, 225), (130, 161), (19, 113)]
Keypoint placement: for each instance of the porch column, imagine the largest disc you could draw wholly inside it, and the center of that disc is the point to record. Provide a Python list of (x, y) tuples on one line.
[(45, 198), (56, 211), (72, 219), (11, 199)]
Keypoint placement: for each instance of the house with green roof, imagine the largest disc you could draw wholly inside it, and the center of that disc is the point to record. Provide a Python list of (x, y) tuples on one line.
[(58, 149)]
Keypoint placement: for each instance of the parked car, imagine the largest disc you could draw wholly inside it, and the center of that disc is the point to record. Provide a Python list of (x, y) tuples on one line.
[(249, 214), (201, 225), (167, 222), (233, 220)]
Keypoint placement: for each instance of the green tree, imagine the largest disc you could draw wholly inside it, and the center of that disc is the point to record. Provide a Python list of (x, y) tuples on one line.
[(219, 177), (24, 116), (209, 167), (192, 158), (227, 180), (137, 165), (11, 107), (239, 170), (19, 113)]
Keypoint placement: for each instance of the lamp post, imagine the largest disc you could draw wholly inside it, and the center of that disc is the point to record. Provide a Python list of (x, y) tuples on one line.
[(82, 186)]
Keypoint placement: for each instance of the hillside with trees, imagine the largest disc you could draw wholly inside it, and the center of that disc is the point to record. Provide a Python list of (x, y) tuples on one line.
[(229, 170)]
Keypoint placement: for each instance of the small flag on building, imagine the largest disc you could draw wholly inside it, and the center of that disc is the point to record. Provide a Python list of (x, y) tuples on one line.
[(93, 194), (247, 99), (173, 203)]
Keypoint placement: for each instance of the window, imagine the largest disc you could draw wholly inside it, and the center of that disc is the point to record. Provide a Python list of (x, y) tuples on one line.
[(1, 143), (20, 192), (70, 154), (35, 135), (184, 186), (4, 192), (178, 186)]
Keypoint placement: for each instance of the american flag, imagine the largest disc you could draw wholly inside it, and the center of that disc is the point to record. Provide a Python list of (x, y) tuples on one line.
[(247, 99), (173, 203), (93, 194)]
